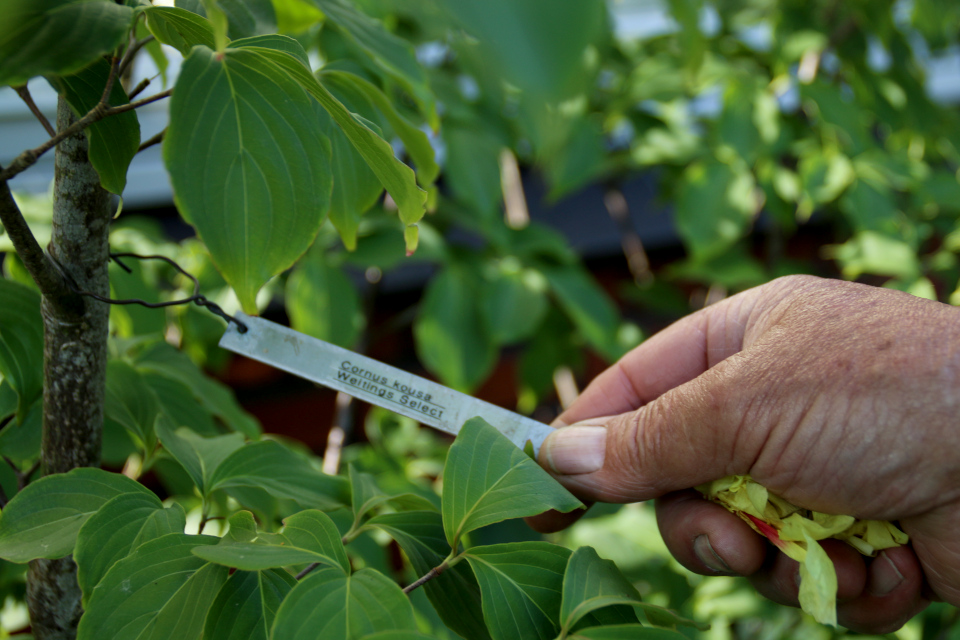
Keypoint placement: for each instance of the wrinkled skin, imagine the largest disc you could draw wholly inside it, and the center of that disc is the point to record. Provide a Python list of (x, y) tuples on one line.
[(840, 397)]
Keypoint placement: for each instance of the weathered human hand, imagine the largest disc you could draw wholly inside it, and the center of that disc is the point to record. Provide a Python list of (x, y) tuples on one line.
[(839, 397)]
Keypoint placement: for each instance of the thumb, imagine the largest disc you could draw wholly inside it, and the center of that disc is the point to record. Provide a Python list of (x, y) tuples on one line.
[(689, 435)]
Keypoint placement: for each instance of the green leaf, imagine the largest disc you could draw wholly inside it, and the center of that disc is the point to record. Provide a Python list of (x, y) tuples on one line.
[(160, 591), (538, 45), (396, 635), (365, 496), (590, 583), (259, 200), (198, 456), (588, 306), (397, 178), (246, 605), (216, 397), (42, 520), (322, 302), (472, 168), (131, 403), (328, 605), (455, 593), (179, 405), (513, 302), (21, 343), (246, 17), (120, 526), (114, 141), (309, 536), (270, 466), (452, 340), (179, 28), (20, 441), (391, 54), (521, 585), (56, 37), (626, 632), (487, 479), (243, 528), (715, 206), (414, 140), (356, 187)]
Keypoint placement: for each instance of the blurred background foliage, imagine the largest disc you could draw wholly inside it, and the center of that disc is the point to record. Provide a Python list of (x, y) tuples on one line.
[(780, 137)]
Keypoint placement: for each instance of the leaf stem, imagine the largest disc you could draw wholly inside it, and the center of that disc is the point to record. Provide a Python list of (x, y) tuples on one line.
[(24, 94)]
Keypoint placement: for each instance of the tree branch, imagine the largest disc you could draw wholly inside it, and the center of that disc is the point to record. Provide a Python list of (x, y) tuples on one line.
[(157, 139), (40, 267), (24, 94), (427, 577), (308, 569), (132, 51), (29, 157)]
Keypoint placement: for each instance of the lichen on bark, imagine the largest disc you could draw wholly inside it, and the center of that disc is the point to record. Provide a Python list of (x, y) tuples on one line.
[(75, 356)]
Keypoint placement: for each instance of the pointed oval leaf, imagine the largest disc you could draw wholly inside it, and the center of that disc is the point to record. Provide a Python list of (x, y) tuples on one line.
[(42, 521), (179, 28), (21, 343), (243, 528), (256, 556), (179, 404), (396, 635), (270, 466), (328, 605), (588, 306), (452, 340), (53, 37), (591, 583), (454, 593), (415, 141), (365, 496), (215, 396), (392, 54), (397, 178), (323, 303), (260, 197), (314, 530), (116, 530), (487, 479), (514, 304), (242, 609), (160, 591), (131, 403), (521, 585), (199, 456), (114, 141)]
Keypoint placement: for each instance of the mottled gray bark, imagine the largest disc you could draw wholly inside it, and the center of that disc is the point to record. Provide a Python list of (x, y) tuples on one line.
[(75, 356)]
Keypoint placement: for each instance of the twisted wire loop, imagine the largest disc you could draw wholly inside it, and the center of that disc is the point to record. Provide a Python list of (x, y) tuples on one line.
[(196, 298)]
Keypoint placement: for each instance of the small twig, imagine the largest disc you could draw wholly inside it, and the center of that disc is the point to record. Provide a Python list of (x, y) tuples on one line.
[(157, 139), (307, 570), (12, 465), (3, 498), (143, 84), (204, 518), (29, 157), (132, 51), (111, 78), (24, 94), (427, 577)]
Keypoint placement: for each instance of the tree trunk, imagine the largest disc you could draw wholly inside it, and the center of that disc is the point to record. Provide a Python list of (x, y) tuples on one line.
[(75, 358)]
